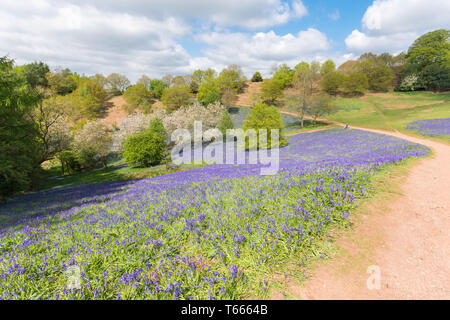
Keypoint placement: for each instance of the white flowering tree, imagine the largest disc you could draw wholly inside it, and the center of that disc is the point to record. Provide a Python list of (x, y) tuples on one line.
[(92, 143)]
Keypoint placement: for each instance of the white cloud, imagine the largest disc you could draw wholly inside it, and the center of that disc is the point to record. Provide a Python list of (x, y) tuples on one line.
[(260, 51), (392, 25), (336, 15), (136, 36)]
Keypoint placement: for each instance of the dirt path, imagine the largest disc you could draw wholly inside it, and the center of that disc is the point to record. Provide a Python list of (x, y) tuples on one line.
[(408, 239)]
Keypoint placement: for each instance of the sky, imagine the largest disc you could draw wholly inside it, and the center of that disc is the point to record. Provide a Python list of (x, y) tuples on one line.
[(158, 37)]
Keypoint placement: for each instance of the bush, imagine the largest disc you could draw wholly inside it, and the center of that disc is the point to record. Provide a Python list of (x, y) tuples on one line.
[(176, 97), (257, 77), (146, 149), (264, 117)]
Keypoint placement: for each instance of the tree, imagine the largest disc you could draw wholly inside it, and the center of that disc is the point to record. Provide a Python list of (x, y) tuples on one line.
[(225, 122), (138, 96), (35, 74), (321, 105), (146, 148), (175, 97), (331, 82), (88, 100), (117, 83), (62, 81), (92, 143), (436, 77), (257, 77), (179, 81), (209, 91), (231, 78), (266, 117), (19, 148), (100, 80), (271, 90), (284, 75), (145, 81), (54, 133), (327, 68), (355, 84), (303, 83), (167, 79), (229, 97), (380, 78), (157, 87), (431, 48)]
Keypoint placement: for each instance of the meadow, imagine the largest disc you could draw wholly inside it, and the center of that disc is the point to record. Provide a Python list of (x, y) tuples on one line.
[(214, 232), (393, 111)]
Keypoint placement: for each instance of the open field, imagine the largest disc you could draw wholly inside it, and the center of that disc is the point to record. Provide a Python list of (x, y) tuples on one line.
[(393, 111), (181, 236)]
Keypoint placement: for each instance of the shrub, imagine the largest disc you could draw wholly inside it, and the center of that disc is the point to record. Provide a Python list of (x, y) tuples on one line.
[(257, 77), (266, 117), (225, 122), (146, 148)]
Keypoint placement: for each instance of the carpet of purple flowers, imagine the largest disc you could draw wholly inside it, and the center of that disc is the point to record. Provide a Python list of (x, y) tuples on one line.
[(214, 232), (431, 127)]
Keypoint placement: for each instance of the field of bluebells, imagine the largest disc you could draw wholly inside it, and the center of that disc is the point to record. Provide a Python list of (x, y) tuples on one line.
[(215, 232), (431, 127)]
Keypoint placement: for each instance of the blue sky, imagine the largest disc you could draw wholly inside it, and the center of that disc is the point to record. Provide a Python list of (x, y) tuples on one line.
[(157, 37)]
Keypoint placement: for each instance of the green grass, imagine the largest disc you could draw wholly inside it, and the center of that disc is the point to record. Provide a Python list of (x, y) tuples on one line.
[(117, 171), (393, 111)]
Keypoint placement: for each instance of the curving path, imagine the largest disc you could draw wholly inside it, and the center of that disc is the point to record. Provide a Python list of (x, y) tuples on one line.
[(408, 239)]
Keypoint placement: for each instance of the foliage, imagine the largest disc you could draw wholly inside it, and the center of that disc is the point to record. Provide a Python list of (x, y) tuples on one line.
[(355, 84), (257, 77), (431, 48), (100, 80), (332, 82), (69, 161), (146, 149), (62, 81), (88, 100), (231, 78), (229, 97), (138, 96), (380, 78), (225, 122), (271, 90), (436, 77), (145, 81), (321, 105), (19, 150), (92, 144), (283, 75), (266, 117), (327, 67), (117, 83), (176, 97), (209, 91), (157, 87), (35, 73)]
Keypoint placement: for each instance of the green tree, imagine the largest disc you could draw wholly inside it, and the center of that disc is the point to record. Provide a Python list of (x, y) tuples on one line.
[(380, 78), (19, 149), (35, 74), (331, 82), (62, 81), (209, 91), (145, 81), (157, 87), (431, 48), (327, 68), (176, 97), (257, 77), (436, 77), (355, 84), (146, 149), (231, 78), (271, 90), (266, 117), (138, 96), (100, 80), (225, 122), (283, 75), (88, 100)]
